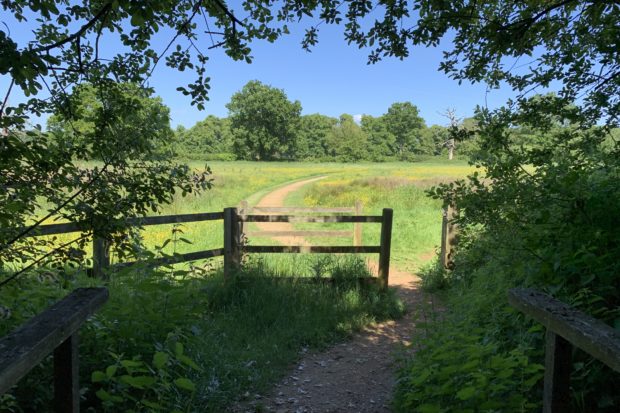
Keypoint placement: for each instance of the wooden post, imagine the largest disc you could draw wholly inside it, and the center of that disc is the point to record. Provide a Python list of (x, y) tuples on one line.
[(443, 255), (558, 353), (231, 248), (67, 376), (448, 236), (386, 243), (101, 256), (357, 227), (244, 209)]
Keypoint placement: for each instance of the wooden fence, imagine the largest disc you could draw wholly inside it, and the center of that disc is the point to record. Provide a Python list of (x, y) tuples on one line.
[(54, 330), (233, 248), (566, 327), (356, 234), (234, 230)]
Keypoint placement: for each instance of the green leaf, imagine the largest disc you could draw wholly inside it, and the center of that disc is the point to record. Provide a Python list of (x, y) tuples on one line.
[(98, 377), (137, 20), (110, 371), (189, 362), (185, 384), (178, 349), (138, 382), (160, 359), (429, 408), (466, 393)]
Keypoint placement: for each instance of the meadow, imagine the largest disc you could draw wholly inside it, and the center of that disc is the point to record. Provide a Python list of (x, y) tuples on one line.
[(400, 186)]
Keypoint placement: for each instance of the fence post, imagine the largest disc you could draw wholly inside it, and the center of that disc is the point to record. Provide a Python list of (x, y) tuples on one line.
[(67, 376), (556, 393), (243, 210), (386, 243), (448, 236), (101, 256), (357, 227), (232, 252)]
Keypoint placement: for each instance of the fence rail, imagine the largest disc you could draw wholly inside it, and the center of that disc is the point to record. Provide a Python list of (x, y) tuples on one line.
[(234, 224), (53, 330), (566, 327), (234, 233)]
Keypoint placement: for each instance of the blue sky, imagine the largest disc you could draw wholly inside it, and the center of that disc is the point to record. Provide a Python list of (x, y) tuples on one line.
[(332, 80)]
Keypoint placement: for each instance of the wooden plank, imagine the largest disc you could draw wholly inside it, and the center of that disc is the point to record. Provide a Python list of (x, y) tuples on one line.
[(67, 376), (341, 234), (558, 364), (176, 219), (177, 258), (304, 209), (293, 218), (24, 348), (386, 245), (345, 249), (589, 334), (53, 229), (68, 227)]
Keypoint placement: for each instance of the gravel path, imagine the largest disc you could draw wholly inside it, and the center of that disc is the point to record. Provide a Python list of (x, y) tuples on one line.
[(354, 376)]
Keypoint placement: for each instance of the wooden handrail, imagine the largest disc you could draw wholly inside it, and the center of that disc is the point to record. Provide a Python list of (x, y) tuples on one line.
[(566, 326), (589, 334), (53, 330)]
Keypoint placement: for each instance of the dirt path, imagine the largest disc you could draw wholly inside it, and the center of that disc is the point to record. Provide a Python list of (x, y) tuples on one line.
[(354, 376)]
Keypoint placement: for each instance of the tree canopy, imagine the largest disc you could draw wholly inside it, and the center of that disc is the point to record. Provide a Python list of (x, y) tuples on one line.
[(265, 122)]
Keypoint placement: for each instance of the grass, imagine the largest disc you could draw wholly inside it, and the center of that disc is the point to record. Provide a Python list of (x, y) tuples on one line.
[(239, 336)]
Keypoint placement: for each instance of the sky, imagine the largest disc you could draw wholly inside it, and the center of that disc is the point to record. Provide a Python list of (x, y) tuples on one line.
[(333, 79)]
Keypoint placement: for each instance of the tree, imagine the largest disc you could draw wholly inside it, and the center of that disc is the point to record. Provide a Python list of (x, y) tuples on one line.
[(381, 142), (264, 122), (207, 137), (347, 142), (433, 139), (142, 123), (404, 123), (312, 137)]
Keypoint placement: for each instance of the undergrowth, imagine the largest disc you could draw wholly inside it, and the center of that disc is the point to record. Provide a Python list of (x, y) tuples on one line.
[(187, 343)]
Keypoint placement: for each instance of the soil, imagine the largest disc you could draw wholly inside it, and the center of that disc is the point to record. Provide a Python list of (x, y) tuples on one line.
[(358, 375)]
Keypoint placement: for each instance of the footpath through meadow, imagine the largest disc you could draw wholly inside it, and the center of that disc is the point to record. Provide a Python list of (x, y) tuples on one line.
[(358, 375)]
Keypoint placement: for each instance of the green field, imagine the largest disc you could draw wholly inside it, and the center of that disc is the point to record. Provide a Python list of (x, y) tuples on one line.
[(399, 186)]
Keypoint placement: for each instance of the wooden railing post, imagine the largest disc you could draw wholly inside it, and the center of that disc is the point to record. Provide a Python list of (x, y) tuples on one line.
[(386, 243), (232, 252), (101, 256), (558, 363), (357, 227), (67, 376)]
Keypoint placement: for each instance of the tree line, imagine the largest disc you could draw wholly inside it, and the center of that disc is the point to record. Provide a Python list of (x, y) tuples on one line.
[(264, 125)]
